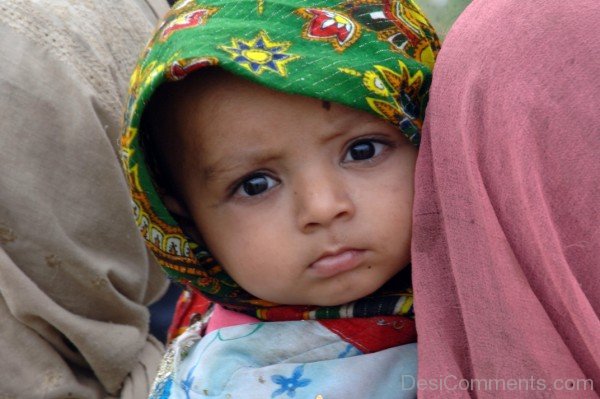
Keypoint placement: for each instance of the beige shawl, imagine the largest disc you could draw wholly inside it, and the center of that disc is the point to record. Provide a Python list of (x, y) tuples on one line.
[(75, 277)]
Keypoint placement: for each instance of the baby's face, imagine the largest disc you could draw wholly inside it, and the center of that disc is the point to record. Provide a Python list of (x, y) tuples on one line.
[(302, 202)]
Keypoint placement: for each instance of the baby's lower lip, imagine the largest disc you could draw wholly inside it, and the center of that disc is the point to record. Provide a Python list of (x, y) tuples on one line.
[(329, 266)]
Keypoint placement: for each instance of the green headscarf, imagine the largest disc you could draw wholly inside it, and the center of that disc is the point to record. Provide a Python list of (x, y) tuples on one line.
[(375, 56)]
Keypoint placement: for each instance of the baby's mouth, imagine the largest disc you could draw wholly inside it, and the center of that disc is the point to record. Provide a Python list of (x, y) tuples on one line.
[(331, 263)]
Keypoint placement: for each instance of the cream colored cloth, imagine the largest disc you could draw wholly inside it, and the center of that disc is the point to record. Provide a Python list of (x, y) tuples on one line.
[(75, 277)]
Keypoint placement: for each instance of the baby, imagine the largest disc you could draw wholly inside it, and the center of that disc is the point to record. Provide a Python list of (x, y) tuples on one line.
[(271, 181)]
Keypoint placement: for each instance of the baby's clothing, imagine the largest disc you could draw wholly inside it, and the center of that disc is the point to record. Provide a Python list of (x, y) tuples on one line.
[(301, 359), (221, 318)]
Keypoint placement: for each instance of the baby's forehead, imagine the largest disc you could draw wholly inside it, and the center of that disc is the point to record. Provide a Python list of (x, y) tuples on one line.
[(241, 110)]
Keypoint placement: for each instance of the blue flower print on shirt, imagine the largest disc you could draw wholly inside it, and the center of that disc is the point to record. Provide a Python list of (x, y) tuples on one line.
[(289, 385), (188, 382), (162, 389), (346, 351)]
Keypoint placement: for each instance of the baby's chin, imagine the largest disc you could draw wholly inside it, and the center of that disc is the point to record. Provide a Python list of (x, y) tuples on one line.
[(343, 298), (321, 301), (338, 301)]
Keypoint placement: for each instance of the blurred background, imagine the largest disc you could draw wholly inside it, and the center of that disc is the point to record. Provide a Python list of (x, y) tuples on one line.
[(443, 13)]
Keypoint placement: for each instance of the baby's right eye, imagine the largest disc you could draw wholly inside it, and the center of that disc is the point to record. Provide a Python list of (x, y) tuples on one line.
[(255, 185)]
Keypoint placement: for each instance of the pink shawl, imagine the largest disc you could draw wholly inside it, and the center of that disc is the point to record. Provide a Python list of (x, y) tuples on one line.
[(506, 247)]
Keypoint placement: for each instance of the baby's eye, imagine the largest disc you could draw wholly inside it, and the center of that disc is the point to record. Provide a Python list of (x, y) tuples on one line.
[(255, 184), (363, 150)]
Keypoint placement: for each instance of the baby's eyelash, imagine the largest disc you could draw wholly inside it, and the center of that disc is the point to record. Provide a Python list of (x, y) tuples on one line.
[(371, 149), (238, 188)]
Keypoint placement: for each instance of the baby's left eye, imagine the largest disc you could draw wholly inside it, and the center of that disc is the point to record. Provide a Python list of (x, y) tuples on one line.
[(363, 150)]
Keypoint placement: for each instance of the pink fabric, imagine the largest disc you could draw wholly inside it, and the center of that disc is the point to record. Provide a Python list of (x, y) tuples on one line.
[(506, 242), (222, 318)]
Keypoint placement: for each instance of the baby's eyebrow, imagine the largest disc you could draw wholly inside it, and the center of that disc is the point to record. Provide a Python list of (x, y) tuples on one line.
[(213, 172)]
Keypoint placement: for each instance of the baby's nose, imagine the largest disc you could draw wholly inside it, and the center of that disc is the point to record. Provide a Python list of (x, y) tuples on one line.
[(322, 199)]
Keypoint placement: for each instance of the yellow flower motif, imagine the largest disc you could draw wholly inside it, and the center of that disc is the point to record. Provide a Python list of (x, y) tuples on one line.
[(260, 54), (399, 97), (373, 82), (410, 13), (385, 82)]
